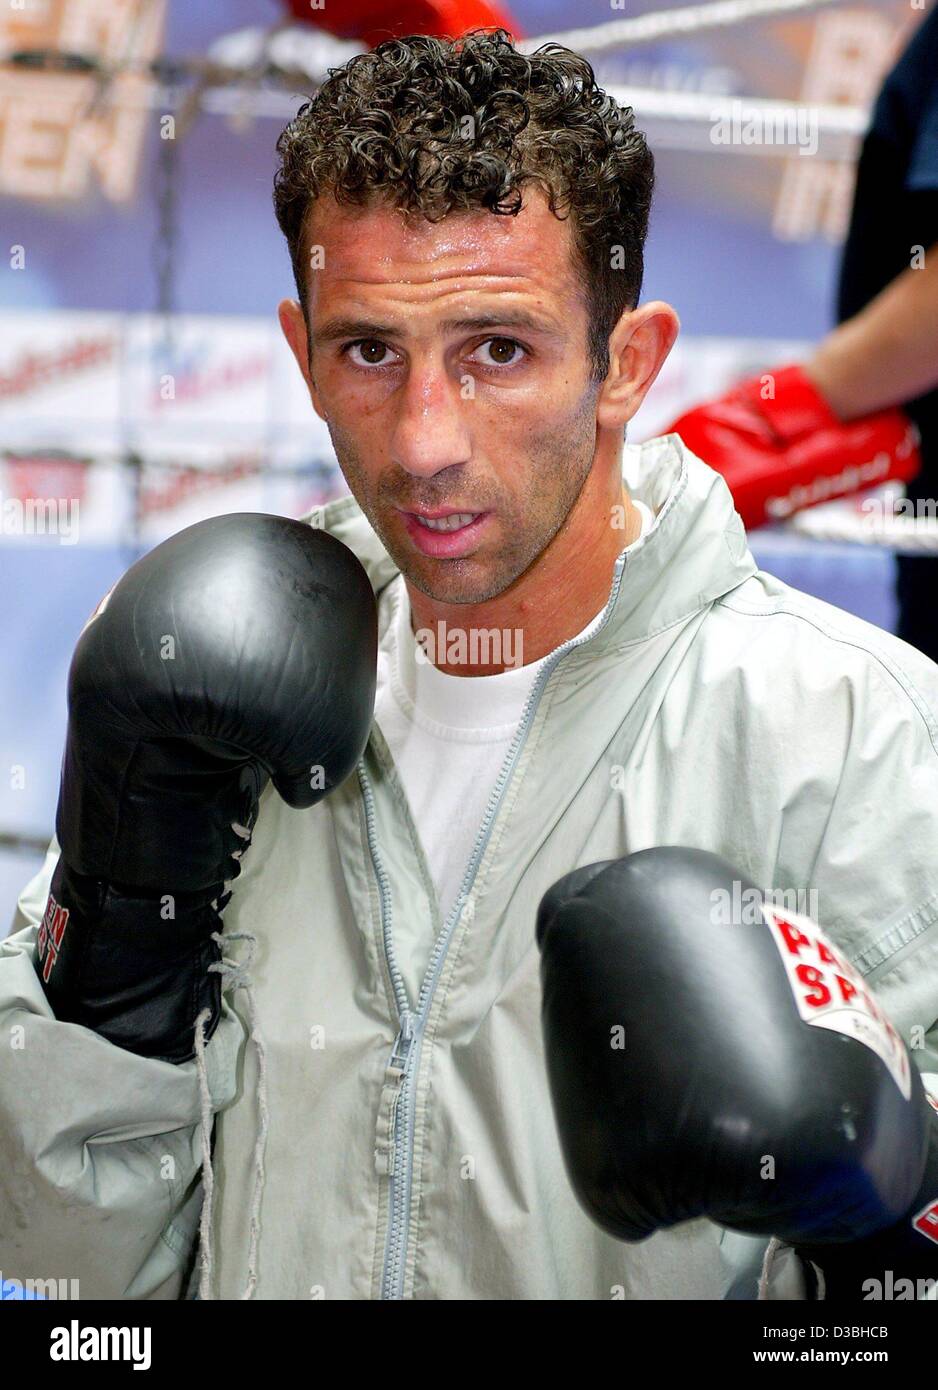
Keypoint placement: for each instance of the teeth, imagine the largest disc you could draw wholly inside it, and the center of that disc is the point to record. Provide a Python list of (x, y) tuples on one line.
[(448, 523)]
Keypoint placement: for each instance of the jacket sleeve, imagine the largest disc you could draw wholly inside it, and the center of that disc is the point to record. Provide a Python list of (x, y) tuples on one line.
[(100, 1149), (874, 867), (844, 732)]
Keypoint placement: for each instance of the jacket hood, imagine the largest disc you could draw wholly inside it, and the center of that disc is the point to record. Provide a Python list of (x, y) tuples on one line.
[(694, 552)]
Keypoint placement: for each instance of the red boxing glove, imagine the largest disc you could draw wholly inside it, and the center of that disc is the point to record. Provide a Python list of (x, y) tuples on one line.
[(780, 447), (373, 21)]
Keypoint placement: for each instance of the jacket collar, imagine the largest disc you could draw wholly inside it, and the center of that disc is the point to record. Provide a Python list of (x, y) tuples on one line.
[(695, 551)]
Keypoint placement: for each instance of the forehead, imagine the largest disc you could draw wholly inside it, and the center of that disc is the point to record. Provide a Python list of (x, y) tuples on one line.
[(381, 244)]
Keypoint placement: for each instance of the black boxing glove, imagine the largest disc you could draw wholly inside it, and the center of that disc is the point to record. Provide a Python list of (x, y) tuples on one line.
[(738, 1072), (242, 649)]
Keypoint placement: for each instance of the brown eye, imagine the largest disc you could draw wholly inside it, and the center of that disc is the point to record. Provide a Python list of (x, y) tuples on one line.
[(369, 345), (502, 350)]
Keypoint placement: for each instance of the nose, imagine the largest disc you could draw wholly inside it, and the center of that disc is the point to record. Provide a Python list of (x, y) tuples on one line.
[(431, 430)]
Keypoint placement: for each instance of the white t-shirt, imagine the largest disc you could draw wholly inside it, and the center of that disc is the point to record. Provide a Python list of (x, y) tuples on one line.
[(449, 736)]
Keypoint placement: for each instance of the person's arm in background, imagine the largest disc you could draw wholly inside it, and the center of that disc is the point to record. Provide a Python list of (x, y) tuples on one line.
[(886, 354), (806, 432)]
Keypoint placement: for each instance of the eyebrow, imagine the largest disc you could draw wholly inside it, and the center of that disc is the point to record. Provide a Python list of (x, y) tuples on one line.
[(334, 329)]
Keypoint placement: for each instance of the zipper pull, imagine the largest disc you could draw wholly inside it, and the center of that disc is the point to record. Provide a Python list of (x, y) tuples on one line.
[(386, 1130), (404, 1039)]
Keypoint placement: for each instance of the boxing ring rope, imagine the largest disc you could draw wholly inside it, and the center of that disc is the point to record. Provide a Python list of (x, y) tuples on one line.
[(665, 24), (843, 523), (680, 120)]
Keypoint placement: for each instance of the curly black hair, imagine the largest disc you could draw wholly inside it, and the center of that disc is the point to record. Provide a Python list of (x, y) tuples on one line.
[(431, 125)]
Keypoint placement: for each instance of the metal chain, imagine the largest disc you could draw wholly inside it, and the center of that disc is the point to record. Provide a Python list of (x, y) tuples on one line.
[(166, 244), (165, 261)]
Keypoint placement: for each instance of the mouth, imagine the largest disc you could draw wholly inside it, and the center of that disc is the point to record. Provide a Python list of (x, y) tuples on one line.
[(445, 532)]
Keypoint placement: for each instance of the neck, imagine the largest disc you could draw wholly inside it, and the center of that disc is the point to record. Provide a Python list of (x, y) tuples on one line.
[(551, 602)]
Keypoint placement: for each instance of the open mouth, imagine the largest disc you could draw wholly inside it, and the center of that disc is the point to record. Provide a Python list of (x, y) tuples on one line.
[(447, 523), (446, 536)]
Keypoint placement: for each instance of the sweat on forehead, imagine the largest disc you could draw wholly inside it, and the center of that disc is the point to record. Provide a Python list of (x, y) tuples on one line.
[(382, 243)]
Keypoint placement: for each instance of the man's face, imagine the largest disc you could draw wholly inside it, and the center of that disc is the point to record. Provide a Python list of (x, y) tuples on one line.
[(438, 397)]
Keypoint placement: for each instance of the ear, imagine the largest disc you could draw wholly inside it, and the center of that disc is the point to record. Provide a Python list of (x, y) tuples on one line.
[(293, 324), (638, 347)]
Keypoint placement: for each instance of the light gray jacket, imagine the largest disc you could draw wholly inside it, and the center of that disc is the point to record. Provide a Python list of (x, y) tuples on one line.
[(405, 1148)]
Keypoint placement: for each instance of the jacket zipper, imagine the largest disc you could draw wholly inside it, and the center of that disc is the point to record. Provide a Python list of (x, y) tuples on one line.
[(402, 1068)]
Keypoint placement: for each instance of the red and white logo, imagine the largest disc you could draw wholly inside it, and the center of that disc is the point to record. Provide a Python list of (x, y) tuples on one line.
[(831, 993), (54, 922), (926, 1221)]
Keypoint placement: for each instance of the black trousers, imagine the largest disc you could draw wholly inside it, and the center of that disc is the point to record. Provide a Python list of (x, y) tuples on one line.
[(917, 575)]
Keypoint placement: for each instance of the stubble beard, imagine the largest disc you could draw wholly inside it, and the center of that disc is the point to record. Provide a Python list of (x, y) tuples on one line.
[(560, 462)]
